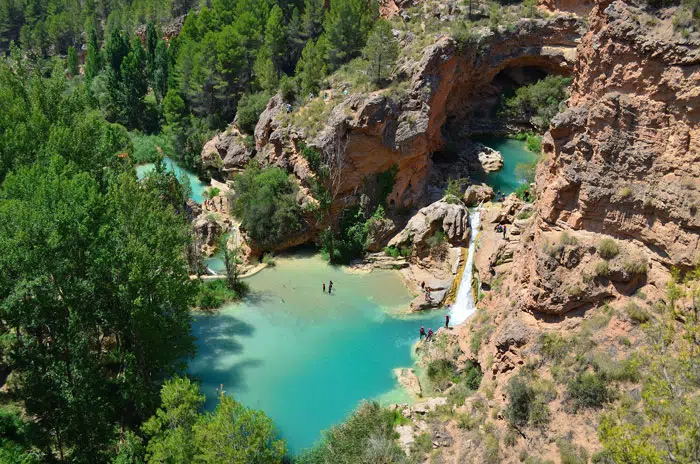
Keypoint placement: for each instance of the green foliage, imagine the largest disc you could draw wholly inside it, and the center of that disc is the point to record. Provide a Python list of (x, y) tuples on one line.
[(455, 187), (312, 156), (265, 202), (100, 259), (638, 314), (553, 346), (533, 142), (150, 148), (213, 294), (570, 454), (347, 25), (538, 103), (422, 444), (395, 252), (366, 436), (72, 61), (588, 390), (441, 372), (212, 192), (602, 269), (179, 433), (386, 181), (249, 108), (381, 51), (527, 402), (608, 248), (635, 266)]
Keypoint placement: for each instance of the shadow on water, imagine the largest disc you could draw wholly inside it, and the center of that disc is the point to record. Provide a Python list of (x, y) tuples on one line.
[(216, 335)]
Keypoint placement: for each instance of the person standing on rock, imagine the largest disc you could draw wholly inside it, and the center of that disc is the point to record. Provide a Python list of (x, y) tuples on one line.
[(504, 231), (422, 332), (430, 335), (447, 321)]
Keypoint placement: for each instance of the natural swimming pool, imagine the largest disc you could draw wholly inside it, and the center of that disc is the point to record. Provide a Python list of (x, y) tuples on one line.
[(304, 357), (514, 152)]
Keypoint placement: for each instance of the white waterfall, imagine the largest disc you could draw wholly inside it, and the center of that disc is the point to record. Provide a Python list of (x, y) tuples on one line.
[(464, 306)]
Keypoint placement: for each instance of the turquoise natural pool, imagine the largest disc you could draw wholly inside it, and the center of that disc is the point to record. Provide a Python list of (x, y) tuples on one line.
[(514, 152), (198, 187), (304, 357)]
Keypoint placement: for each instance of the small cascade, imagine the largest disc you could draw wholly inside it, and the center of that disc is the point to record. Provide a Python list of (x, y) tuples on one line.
[(464, 306)]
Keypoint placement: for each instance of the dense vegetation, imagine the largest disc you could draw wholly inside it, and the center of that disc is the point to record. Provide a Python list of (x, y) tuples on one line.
[(539, 102)]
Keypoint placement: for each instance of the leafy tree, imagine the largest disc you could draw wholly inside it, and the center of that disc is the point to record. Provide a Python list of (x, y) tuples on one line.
[(311, 68), (134, 85), (539, 102), (266, 204), (381, 51), (72, 61)]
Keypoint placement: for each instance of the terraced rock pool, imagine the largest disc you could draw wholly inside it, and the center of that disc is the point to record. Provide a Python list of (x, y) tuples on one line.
[(304, 357)]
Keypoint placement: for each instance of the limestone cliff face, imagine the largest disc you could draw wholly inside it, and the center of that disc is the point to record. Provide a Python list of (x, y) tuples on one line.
[(623, 160)]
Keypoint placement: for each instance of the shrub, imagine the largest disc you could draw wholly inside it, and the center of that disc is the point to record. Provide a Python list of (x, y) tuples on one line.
[(213, 192), (553, 346), (357, 439), (456, 187), (525, 214), (533, 143), (492, 449), (268, 260), (213, 294), (437, 239), (148, 148), (249, 108), (475, 342), (422, 444), (538, 102), (602, 269), (624, 192), (636, 313), (441, 372), (570, 454), (588, 390), (526, 406), (288, 88), (566, 239), (635, 266), (608, 248), (395, 252)]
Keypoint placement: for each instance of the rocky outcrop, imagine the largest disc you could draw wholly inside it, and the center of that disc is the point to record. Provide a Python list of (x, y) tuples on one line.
[(379, 232), (476, 194), (451, 220), (409, 380), (489, 160), (623, 159), (226, 153), (381, 132)]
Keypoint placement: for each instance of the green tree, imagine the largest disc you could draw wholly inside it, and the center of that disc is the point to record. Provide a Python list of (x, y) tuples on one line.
[(266, 204), (72, 62), (381, 51), (237, 435), (134, 85), (170, 429), (312, 19), (93, 60), (347, 24), (275, 40), (159, 78), (311, 68)]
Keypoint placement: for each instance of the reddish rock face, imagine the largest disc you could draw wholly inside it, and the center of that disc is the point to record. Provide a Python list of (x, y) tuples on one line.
[(623, 160)]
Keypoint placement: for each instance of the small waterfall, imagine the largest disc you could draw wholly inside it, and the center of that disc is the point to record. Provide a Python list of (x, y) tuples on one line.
[(464, 306)]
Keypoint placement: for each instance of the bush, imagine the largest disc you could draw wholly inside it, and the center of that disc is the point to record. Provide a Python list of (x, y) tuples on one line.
[(636, 313), (538, 102), (395, 252), (456, 187), (149, 148), (608, 249), (624, 192), (422, 444), (588, 390), (357, 439), (635, 266), (570, 454), (213, 294), (265, 202), (441, 372), (268, 260), (526, 405), (213, 192), (534, 143), (602, 269), (249, 108), (553, 346)]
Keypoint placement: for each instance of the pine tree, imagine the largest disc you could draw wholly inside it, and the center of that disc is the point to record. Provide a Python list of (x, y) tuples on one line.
[(311, 68), (312, 19), (159, 81), (347, 25), (93, 61), (381, 51), (275, 36)]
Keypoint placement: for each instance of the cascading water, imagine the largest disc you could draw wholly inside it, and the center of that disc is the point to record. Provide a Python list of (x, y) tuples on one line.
[(464, 306)]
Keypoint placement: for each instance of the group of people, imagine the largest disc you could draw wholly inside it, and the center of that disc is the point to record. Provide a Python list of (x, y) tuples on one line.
[(500, 196), (429, 335), (501, 228), (330, 287), (426, 290)]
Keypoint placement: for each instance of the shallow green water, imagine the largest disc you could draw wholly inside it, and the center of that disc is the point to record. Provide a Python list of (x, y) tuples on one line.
[(198, 187), (514, 152), (304, 357)]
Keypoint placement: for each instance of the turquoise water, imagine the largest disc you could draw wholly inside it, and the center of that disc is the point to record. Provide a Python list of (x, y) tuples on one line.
[(514, 152), (198, 187), (304, 357)]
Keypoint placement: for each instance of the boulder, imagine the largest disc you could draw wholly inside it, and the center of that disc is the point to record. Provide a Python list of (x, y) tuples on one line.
[(451, 219), (409, 380), (430, 405), (476, 194), (512, 332), (489, 159), (379, 231), (207, 230)]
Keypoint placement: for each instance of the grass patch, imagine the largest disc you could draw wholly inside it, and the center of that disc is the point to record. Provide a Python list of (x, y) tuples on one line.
[(602, 269), (635, 266), (636, 313), (608, 248)]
